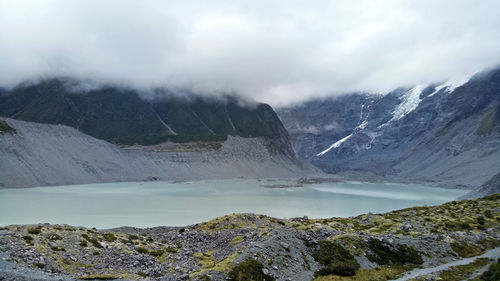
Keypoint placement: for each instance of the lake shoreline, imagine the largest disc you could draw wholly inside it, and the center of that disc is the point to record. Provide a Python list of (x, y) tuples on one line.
[(147, 204), (325, 178)]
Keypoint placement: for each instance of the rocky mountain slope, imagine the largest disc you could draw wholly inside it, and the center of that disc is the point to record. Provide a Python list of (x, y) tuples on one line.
[(437, 242), (33, 154), (446, 133), (123, 116)]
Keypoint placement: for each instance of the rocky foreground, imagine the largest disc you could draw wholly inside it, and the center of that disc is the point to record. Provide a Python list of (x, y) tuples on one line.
[(257, 247)]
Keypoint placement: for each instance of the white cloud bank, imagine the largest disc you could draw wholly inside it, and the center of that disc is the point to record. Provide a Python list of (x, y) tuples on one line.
[(278, 51)]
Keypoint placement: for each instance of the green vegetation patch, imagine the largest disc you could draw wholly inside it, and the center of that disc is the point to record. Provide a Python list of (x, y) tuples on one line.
[(36, 230), (157, 253), (384, 255), (204, 278), (57, 249), (237, 240), (109, 237), (335, 259), (142, 250), (92, 240), (493, 272), (172, 250), (493, 197), (457, 226), (249, 270), (206, 262), (489, 243), (466, 250), (28, 239), (133, 237), (354, 244)]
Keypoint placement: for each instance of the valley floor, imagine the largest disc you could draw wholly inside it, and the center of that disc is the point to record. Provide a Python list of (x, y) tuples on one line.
[(373, 246)]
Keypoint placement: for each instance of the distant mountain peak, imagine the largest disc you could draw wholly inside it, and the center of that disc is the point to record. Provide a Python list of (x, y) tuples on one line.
[(421, 133)]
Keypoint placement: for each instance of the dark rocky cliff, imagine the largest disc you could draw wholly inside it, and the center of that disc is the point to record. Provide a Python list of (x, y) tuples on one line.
[(121, 116)]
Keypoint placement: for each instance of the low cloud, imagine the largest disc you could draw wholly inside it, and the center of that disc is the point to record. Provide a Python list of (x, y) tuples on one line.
[(273, 51)]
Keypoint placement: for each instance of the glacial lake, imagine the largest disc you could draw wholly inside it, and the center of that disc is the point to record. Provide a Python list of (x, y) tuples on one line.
[(146, 204)]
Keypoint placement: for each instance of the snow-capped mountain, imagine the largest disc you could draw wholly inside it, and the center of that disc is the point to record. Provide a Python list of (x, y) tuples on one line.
[(445, 132)]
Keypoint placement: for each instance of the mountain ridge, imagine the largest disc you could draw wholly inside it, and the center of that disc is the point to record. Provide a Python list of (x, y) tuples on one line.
[(122, 116), (440, 133)]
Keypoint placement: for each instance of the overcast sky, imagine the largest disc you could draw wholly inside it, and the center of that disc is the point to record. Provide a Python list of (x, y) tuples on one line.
[(272, 51)]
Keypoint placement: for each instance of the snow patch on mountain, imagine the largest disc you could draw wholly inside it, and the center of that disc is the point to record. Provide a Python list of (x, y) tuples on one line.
[(334, 145), (451, 84), (439, 88), (362, 125), (457, 82), (409, 101)]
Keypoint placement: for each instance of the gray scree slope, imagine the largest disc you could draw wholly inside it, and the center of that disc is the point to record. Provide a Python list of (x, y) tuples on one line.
[(41, 154)]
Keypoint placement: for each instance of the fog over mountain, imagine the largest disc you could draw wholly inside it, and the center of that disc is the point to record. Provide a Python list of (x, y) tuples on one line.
[(278, 52)]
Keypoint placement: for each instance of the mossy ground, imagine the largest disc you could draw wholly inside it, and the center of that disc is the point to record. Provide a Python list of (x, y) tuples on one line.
[(207, 263), (473, 215), (237, 240)]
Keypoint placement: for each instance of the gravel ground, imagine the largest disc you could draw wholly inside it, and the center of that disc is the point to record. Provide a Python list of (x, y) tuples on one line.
[(11, 271)]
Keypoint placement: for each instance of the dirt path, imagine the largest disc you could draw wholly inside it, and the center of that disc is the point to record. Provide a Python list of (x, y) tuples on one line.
[(492, 254)]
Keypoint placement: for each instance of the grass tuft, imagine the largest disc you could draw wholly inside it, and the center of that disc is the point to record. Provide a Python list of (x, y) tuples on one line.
[(37, 230), (249, 270), (384, 255), (336, 259), (466, 250)]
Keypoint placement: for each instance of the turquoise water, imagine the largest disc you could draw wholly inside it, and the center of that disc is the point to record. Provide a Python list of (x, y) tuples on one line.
[(145, 204)]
